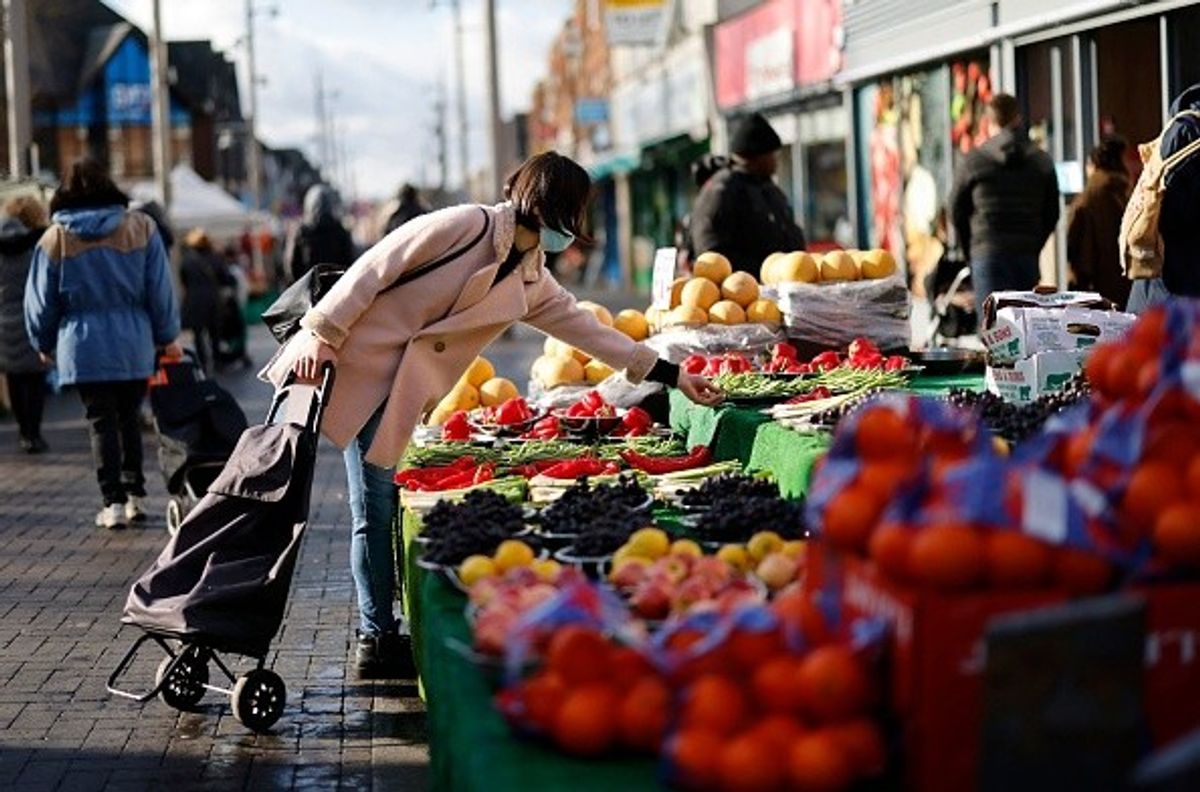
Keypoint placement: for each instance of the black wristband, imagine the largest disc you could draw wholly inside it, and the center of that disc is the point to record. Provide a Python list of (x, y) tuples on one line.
[(664, 372)]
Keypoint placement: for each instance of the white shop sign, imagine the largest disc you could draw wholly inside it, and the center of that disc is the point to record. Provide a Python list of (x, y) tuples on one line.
[(770, 63)]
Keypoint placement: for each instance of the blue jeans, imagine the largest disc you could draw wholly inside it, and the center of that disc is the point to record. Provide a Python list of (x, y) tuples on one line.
[(1146, 294), (372, 495), (1002, 273)]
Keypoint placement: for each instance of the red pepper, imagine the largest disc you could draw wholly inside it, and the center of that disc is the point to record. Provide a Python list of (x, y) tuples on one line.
[(896, 363), (784, 351), (867, 361), (456, 481), (593, 401), (698, 457), (427, 475), (826, 361), (456, 427), (862, 347), (694, 364), (485, 472), (583, 466), (513, 411), (636, 418)]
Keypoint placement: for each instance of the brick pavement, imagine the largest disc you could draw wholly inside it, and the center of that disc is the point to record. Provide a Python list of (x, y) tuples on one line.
[(62, 585)]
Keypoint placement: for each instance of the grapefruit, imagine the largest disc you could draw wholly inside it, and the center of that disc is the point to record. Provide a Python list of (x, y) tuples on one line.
[(764, 311), (632, 323), (798, 267), (838, 265), (741, 287), (712, 266), (699, 293), (496, 391), (601, 313), (726, 312)]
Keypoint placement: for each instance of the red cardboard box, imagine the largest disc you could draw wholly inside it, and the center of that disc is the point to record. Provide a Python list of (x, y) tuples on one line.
[(1172, 659)]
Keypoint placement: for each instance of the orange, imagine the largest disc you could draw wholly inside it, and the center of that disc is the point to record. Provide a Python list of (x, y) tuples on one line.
[(627, 666), (1147, 379), (751, 648), (818, 763), (644, 713), (579, 655), (1152, 486), (799, 616), (1150, 330), (749, 764), (1175, 442), (891, 549), (1193, 476), (948, 555), (715, 703), (833, 684), (884, 478), (1076, 451), (587, 720), (1015, 560), (1177, 534), (850, 517), (1081, 573), (779, 731), (543, 696), (863, 743), (776, 685), (694, 755), (1121, 374), (883, 434), (1095, 368)]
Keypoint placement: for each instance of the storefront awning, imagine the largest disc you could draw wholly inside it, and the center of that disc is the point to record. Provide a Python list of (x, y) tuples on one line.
[(613, 165)]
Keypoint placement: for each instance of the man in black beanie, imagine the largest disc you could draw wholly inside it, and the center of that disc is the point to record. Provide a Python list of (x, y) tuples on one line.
[(740, 212)]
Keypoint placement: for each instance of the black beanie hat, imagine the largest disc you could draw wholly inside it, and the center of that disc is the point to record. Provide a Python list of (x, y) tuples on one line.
[(754, 136)]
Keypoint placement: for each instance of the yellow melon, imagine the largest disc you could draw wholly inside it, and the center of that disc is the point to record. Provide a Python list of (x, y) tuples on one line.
[(677, 290), (461, 397), (699, 293), (479, 372), (726, 312), (555, 371), (686, 315), (837, 265), (632, 323), (497, 390), (768, 273), (741, 287), (798, 267), (555, 348), (764, 311), (713, 266), (596, 372), (599, 311), (877, 264)]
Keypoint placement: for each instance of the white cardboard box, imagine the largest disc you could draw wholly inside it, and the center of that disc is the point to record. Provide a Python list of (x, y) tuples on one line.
[(1019, 332), (1031, 377)]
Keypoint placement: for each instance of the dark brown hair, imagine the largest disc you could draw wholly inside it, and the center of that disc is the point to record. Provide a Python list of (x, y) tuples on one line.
[(1004, 109), (87, 186), (553, 188), (1109, 154)]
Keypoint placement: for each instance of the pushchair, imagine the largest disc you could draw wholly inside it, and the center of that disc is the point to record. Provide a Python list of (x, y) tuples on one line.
[(198, 423), (951, 300), (221, 583)]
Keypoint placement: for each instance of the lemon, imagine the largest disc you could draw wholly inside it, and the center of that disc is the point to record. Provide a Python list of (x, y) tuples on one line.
[(736, 556), (794, 549), (546, 569), (512, 553), (686, 547), (475, 568), (649, 543), (763, 544)]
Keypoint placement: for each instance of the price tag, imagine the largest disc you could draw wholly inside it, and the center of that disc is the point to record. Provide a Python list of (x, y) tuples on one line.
[(664, 276)]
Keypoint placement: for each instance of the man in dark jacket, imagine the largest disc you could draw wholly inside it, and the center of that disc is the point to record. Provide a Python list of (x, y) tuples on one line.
[(322, 239), (410, 206), (740, 212), (1004, 204), (1177, 224)]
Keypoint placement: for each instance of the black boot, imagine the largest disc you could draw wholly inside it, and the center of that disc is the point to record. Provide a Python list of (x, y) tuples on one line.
[(387, 656)]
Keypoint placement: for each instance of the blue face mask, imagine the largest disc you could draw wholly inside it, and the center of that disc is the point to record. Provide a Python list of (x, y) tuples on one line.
[(555, 241)]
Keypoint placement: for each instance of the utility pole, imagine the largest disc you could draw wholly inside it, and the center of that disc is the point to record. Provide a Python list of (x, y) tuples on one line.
[(493, 94), (322, 136), (460, 89), (254, 164), (16, 83), (439, 130), (160, 111)]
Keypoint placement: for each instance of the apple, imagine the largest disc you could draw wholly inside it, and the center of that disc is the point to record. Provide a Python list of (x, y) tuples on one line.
[(776, 570), (690, 592), (630, 573), (651, 601)]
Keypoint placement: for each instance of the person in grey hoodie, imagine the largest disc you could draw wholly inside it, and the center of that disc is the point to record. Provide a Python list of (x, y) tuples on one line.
[(23, 223), (1004, 204)]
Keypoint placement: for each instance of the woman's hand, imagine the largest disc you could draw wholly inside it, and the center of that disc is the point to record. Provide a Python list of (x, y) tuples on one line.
[(699, 389), (314, 354), (172, 351)]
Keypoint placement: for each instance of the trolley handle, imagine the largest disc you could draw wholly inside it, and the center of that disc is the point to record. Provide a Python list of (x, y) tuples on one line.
[(320, 397)]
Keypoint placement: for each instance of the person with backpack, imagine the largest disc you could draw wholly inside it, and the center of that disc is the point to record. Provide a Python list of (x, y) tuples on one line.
[(321, 238), (1004, 204), (1159, 231), (408, 318)]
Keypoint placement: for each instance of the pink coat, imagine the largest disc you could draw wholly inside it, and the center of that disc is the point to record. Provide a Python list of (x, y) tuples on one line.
[(410, 345)]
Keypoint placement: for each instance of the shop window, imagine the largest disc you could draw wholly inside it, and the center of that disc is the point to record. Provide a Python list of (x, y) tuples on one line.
[(1184, 28), (826, 211), (1129, 95), (1051, 119)]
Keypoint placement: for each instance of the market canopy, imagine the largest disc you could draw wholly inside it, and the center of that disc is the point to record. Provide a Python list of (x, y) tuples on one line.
[(199, 203)]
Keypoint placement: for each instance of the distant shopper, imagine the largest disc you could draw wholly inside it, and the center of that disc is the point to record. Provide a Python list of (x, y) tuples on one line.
[(321, 239), (740, 211), (203, 276), (98, 303), (1096, 222), (1179, 221), (22, 225), (703, 170), (1004, 204), (410, 206)]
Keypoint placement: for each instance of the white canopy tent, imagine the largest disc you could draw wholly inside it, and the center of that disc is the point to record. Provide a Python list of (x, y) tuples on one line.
[(198, 203)]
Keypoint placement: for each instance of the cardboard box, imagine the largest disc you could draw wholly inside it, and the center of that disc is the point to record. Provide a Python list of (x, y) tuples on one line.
[(1018, 333), (1027, 379), (1039, 299)]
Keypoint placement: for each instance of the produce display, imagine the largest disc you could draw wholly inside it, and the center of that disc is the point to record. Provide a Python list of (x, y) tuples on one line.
[(595, 519), (714, 295), (1016, 422), (478, 386), (477, 525), (836, 266), (732, 508)]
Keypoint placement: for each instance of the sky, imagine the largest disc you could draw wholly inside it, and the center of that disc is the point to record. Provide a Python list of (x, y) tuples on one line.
[(381, 61)]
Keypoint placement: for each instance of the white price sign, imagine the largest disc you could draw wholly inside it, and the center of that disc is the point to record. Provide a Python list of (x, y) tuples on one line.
[(664, 276)]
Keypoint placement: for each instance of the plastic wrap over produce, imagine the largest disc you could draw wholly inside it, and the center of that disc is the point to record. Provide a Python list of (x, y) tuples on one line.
[(834, 314), (616, 390), (676, 343)]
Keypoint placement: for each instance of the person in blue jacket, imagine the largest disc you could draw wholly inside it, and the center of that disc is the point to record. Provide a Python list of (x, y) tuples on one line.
[(98, 303)]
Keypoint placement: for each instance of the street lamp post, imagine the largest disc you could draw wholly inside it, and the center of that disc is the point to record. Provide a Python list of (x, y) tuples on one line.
[(493, 95), (16, 78), (254, 164), (160, 112)]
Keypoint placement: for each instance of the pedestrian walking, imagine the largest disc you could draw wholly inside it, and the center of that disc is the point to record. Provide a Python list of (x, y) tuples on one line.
[(1092, 248), (399, 350), (203, 277), (1172, 269), (98, 303), (321, 238), (22, 225), (410, 206), (1004, 204), (740, 211)]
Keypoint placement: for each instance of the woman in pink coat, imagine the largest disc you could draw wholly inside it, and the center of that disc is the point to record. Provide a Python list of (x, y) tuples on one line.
[(399, 350)]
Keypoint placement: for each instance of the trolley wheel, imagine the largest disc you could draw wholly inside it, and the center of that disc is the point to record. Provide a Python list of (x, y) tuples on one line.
[(184, 688), (258, 699), (174, 515)]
